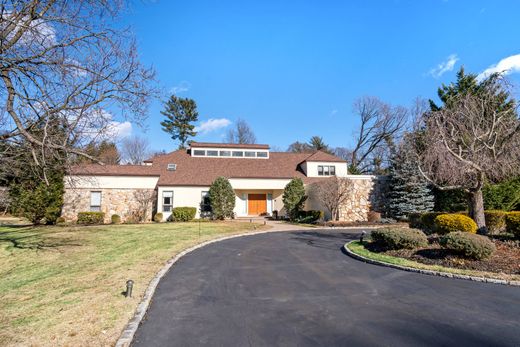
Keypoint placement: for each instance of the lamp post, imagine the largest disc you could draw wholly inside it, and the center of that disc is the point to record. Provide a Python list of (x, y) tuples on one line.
[(363, 233), (129, 286)]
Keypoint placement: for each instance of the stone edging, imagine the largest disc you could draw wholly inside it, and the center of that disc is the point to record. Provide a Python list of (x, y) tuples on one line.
[(428, 272), (126, 337)]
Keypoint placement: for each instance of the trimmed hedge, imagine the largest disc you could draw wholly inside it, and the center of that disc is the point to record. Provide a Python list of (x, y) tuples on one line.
[(183, 214), (495, 221), (158, 218), (513, 223), (448, 223), (470, 245), (428, 221), (398, 238), (91, 217), (310, 216), (115, 219)]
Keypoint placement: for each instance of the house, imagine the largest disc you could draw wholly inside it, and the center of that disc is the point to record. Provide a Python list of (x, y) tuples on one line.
[(183, 178)]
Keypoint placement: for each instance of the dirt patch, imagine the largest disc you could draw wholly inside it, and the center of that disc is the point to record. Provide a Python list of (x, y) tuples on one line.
[(506, 258)]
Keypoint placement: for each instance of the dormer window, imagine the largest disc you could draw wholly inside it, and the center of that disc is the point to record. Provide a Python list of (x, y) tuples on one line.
[(238, 154), (200, 152), (211, 153), (225, 153), (229, 150), (326, 170)]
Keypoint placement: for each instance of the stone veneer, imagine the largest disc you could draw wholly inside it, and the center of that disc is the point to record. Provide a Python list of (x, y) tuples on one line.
[(368, 195), (113, 201)]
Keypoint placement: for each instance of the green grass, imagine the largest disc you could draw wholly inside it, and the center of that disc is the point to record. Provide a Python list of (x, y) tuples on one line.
[(359, 248), (62, 285)]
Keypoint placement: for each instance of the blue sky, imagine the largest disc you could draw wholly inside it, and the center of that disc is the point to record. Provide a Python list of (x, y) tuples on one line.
[(292, 69)]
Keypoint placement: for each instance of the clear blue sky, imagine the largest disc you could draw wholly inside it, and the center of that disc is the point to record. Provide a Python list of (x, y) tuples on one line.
[(292, 69)]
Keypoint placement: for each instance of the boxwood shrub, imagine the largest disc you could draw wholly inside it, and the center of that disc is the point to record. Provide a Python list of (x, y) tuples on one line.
[(116, 219), (427, 223), (513, 223), (158, 218), (414, 220), (398, 238), (60, 221), (91, 217), (183, 214), (447, 223), (495, 221), (470, 245)]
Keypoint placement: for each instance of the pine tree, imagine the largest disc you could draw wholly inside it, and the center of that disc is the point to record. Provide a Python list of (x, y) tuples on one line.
[(409, 192), (180, 114)]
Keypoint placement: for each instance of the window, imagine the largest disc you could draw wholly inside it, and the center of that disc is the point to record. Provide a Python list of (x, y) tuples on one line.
[(95, 201), (225, 153), (172, 167), (326, 170), (238, 154), (250, 154), (205, 205), (261, 154), (167, 199), (199, 152), (212, 153)]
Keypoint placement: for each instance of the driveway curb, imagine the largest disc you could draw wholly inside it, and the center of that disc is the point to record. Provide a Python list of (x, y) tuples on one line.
[(428, 272), (127, 335)]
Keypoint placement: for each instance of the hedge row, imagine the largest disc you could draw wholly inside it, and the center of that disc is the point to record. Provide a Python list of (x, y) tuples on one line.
[(183, 214), (91, 217), (399, 238)]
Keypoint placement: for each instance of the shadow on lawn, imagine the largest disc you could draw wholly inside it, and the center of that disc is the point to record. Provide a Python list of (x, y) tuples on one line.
[(36, 239)]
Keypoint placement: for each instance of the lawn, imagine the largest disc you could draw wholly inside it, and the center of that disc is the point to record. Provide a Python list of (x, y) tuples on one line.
[(61, 286), (360, 249)]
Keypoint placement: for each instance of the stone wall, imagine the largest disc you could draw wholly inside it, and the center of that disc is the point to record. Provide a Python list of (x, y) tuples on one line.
[(367, 195), (122, 202)]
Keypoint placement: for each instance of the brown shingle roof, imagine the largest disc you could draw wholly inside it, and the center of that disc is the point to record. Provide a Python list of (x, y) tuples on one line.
[(202, 171), (228, 145)]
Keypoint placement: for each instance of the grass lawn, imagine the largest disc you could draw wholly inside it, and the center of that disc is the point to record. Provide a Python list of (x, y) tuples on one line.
[(61, 286), (359, 249)]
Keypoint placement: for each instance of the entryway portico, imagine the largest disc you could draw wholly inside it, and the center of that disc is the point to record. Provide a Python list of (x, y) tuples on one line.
[(258, 197)]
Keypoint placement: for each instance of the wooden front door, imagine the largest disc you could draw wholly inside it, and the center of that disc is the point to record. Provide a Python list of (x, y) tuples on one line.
[(256, 204)]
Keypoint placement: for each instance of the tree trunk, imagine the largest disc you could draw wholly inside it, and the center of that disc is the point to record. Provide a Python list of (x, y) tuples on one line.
[(476, 210)]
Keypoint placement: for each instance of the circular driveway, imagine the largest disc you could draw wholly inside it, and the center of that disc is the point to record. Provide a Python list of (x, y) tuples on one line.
[(299, 289)]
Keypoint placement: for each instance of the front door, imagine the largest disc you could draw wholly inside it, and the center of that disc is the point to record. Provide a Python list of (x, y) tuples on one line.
[(256, 204)]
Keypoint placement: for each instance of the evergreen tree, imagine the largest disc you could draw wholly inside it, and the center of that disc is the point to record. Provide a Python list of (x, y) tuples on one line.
[(222, 198), (180, 115), (409, 192), (294, 197)]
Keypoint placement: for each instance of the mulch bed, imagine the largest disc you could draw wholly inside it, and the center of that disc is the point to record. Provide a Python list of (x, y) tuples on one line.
[(506, 258)]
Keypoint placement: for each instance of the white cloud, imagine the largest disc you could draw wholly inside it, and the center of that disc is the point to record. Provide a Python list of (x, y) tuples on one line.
[(445, 66), (118, 130), (212, 124), (333, 112), (182, 87), (505, 66)]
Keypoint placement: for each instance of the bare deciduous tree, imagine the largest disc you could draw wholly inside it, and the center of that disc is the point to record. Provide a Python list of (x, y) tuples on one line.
[(144, 198), (241, 133), (332, 193), (473, 141), (64, 62), (135, 150), (380, 123)]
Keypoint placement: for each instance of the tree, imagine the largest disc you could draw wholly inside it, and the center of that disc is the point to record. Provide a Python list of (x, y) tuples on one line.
[(222, 198), (135, 150), (473, 139), (104, 151), (332, 192), (241, 133), (144, 199), (315, 143), (64, 62), (299, 147), (180, 115), (409, 192), (380, 124), (294, 197)]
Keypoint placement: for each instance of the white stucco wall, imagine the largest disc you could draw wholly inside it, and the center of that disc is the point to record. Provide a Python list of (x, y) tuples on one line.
[(114, 182), (190, 196), (311, 168), (258, 183)]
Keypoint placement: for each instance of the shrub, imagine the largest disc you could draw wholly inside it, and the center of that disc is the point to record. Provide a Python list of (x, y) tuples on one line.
[(222, 198), (373, 217), (470, 245), (115, 219), (414, 220), (158, 217), (183, 214), (495, 221), (91, 217), (60, 220), (513, 223), (310, 216), (428, 221), (294, 197), (398, 238), (448, 223)]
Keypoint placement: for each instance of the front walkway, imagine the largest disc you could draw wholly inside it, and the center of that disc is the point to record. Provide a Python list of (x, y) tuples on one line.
[(298, 289)]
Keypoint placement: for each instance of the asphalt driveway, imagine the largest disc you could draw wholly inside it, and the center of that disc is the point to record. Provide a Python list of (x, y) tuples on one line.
[(299, 289)]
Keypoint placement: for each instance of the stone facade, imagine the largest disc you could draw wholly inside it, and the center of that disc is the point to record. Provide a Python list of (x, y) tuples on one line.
[(123, 202), (368, 195)]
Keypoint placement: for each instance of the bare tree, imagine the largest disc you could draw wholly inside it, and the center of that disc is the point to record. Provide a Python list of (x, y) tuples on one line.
[(135, 150), (472, 141), (64, 64), (144, 198), (332, 193), (380, 123), (241, 133)]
